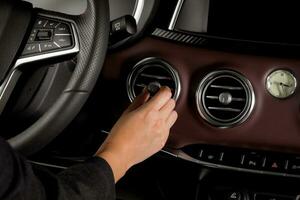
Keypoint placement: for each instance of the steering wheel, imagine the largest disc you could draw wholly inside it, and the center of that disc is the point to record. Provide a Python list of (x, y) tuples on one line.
[(32, 35)]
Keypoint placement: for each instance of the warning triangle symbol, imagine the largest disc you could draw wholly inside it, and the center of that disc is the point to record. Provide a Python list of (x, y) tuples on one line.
[(275, 165)]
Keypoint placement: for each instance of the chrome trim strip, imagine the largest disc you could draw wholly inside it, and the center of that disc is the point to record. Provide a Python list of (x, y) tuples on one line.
[(7, 87), (212, 97), (156, 77), (175, 15), (180, 154), (138, 10), (141, 85), (225, 109), (238, 99), (62, 34), (217, 98), (105, 132), (9, 83), (169, 153), (48, 165), (226, 87)]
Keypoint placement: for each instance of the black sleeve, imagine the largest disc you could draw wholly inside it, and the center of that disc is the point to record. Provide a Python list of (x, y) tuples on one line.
[(92, 180)]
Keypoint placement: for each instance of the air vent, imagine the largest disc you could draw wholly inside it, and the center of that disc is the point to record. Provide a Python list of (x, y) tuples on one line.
[(152, 72), (225, 98)]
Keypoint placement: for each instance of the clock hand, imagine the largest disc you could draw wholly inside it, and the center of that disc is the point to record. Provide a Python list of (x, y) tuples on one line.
[(286, 85), (282, 84), (283, 90)]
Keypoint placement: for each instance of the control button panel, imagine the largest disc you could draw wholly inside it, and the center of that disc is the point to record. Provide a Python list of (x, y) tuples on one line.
[(49, 35), (272, 163)]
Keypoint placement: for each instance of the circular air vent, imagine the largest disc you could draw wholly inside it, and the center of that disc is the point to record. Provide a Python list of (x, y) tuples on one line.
[(225, 98), (152, 73)]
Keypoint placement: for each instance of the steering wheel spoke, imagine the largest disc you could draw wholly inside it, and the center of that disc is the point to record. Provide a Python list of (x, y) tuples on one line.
[(51, 38)]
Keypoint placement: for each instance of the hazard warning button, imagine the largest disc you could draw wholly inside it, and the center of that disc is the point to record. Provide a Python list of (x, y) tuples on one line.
[(276, 164)]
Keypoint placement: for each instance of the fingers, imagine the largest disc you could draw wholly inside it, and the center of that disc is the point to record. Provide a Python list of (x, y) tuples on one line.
[(168, 108), (172, 119), (160, 99), (139, 101), (169, 113), (161, 102)]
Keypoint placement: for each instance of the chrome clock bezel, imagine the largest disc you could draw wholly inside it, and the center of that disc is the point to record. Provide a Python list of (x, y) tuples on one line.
[(268, 84)]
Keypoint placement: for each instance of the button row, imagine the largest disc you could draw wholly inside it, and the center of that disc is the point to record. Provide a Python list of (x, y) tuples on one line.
[(58, 26), (56, 44), (239, 158), (48, 35)]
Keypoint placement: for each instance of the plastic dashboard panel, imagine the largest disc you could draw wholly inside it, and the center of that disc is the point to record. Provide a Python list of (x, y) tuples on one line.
[(272, 126)]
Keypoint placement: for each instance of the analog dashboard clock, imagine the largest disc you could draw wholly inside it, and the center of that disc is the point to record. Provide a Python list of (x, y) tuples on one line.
[(281, 84)]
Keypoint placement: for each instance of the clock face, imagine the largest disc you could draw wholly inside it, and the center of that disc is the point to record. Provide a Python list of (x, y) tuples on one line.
[(281, 84)]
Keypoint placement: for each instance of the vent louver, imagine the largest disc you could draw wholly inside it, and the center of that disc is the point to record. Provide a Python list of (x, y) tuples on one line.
[(152, 72), (225, 98)]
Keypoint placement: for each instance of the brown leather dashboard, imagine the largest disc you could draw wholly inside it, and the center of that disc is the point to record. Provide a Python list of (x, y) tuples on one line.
[(273, 125)]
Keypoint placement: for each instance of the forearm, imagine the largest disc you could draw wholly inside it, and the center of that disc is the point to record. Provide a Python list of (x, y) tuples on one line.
[(91, 180)]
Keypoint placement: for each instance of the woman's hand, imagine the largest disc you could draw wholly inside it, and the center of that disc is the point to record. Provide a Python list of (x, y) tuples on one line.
[(142, 131)]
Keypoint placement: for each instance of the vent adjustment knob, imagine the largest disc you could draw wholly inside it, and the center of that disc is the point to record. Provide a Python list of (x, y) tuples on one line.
[(152, 74), (225, 98), (153, 88)]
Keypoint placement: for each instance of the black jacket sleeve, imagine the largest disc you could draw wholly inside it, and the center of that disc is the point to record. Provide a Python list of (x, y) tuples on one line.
[(92, 180)]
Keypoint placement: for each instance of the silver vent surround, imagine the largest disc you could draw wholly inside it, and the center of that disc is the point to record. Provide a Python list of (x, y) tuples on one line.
[(152, 62), (245, 102)]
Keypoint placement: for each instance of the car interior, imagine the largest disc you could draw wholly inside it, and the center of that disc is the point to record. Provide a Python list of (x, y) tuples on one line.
[(68, 69)]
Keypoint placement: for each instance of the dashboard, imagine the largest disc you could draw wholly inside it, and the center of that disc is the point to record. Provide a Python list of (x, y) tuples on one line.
[(228, 99), (270, 123), (232, 88), (236, 82)]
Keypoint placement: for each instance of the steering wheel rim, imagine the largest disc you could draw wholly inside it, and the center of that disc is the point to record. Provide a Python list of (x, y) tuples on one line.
[(93, 30)]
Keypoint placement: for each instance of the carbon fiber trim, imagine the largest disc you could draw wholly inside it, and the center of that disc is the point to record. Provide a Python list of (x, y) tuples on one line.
[(178, 37)]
